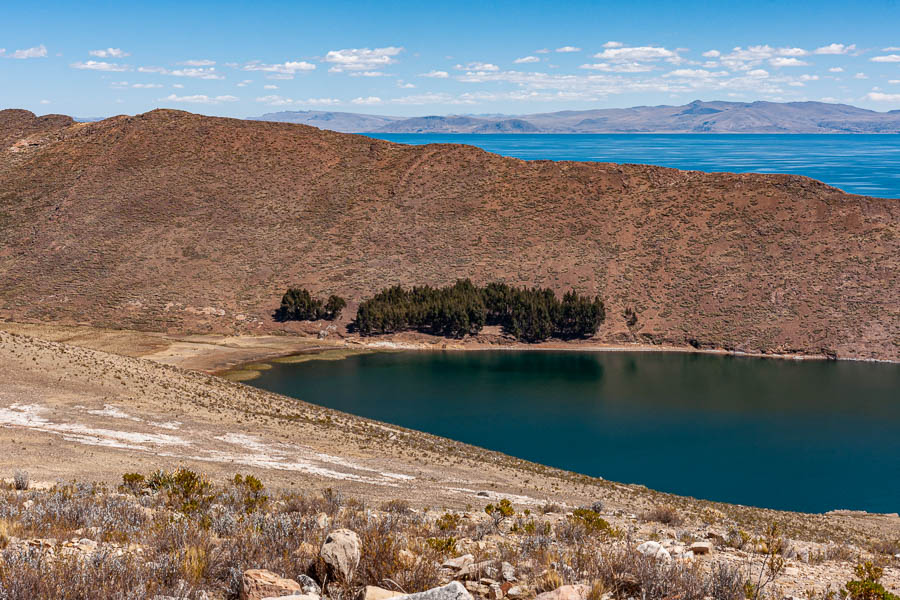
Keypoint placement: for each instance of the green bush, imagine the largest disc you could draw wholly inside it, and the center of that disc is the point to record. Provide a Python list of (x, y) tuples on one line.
[(298, 304), (867, 586)]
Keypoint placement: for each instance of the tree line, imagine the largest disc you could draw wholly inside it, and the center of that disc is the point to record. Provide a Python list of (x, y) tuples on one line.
[(528, 314), (298, 304)]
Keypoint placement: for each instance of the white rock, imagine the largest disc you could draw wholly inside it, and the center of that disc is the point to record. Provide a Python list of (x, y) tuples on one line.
[(654, 550), (340, 551)]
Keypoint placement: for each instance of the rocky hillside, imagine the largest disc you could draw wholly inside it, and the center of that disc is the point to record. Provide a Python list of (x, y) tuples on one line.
[(179, 222)]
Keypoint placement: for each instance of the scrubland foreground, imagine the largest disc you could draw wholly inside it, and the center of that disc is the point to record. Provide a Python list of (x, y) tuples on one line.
[(126, 474)]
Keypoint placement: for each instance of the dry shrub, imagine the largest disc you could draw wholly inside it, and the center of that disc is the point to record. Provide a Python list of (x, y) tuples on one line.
[(667, 515)]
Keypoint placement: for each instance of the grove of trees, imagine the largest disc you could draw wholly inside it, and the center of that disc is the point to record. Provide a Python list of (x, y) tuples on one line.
[(298, 304), (528, 314)]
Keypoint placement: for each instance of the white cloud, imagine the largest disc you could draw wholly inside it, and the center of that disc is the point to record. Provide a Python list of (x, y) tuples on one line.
[(45, 102), (542, 51), (146, 86), (890, 58), (275, 100), (632, 67), (787, 62), (270, 87), (405, 85), (835, 49), (695, 74), (882, 97), (285, 70), (712, 54), (369, 100), (568, 49), (178, 86), (792, 52), (860, 76), (636, 53), (809, 77), (436, 74), (194, 72), (245, 83), (95, 65), (36, 52), (431, 98), (477, 66), (203, 62), (367, 74), (321, 101), (759, 73), (891, 49), (527, 59), (109, 53), (836, 70), (200, 99), (894, 81), (362, 59), (612, 44)]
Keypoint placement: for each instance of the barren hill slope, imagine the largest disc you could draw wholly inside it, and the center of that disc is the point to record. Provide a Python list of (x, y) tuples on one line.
[(175, 221)]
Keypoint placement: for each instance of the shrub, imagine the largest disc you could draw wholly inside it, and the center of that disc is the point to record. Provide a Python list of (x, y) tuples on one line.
[(133, 483), (867, 586), (20, 480), (448, 521), (442, 546), (250, 492), (591, 521), (500, 511), (667, 515)]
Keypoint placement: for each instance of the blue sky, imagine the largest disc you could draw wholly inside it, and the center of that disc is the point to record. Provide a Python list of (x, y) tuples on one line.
[(93, 59)]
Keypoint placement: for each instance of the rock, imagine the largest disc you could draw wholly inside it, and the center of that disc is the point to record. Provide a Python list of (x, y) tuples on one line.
[(654, 550), (257, 584), (452, 591), (507, 572), (518, 592), (478, 570), (322, 520), (701, 548), (566, 592), (294, 597), (459, 562), (371, 592), (341, 553), (309, 586)]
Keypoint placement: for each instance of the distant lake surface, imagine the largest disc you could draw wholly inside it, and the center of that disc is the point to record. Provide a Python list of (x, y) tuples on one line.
[(796, 435), (858, 163)]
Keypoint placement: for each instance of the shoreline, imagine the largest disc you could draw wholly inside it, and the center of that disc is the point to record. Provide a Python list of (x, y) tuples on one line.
[(246, 372)]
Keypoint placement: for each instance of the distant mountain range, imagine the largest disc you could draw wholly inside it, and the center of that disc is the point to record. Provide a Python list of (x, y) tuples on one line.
[(696, 117)]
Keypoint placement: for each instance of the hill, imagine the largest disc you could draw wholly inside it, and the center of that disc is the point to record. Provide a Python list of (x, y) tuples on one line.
[(696, 117), (172, 221)]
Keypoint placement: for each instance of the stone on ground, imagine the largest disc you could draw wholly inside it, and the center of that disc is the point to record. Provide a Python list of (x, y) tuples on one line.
[(257, 584), (452, 591), (341, 553), (371, 592)]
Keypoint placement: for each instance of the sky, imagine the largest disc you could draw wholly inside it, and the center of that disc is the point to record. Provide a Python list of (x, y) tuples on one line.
[(234, 58)]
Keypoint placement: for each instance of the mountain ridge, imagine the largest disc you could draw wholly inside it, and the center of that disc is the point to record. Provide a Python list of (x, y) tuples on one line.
[(695, 117), (172, 221)]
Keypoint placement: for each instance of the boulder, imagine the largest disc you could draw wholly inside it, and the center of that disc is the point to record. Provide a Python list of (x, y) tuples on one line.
[(473, 571), (340, 551), (452, 591), (371, 592), (518, 592), (701, 548), (309, 586), (459, 562), (257, 584), (654, 550), (294, 597), (566, 592), (507, 572)]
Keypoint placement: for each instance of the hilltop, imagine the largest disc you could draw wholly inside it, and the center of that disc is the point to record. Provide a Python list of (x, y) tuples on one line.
[(171, 221), (695, 117)]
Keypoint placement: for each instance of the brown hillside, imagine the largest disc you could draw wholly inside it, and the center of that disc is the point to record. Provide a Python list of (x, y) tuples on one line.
[(174, 221)]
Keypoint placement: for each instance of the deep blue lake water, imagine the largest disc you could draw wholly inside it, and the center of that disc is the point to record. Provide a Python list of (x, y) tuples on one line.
[(859, 164), (795, 435)]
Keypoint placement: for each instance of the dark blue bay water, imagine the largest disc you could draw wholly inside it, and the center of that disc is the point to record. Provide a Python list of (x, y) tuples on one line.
[(809, 436), (859, 164)]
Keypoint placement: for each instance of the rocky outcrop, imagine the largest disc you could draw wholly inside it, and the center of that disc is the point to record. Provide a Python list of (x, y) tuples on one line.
[(258, 584), (341, 552)]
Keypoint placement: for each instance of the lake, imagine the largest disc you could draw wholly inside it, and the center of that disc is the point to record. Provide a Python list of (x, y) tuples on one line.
[(796, 435), (858, 163)]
